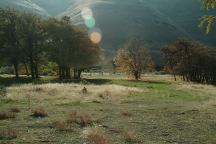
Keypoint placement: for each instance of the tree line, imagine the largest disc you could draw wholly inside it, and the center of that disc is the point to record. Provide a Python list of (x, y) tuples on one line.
[(184, 58), (190, 60), (29, 41)]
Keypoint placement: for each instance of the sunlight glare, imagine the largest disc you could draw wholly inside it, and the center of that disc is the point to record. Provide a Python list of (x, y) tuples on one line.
[(86, 13), (90, 23), (95, 35)]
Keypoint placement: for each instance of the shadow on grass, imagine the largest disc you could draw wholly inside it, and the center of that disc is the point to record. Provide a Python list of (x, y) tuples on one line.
[(141, 82), (151, 82), (8, 81)]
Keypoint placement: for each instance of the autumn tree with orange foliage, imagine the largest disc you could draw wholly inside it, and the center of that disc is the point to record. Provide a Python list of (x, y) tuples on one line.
[(134, 59)]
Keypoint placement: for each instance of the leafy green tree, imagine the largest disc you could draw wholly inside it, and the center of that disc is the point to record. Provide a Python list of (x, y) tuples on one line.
[(32, 40), (86, 55), (60, 47), (70, 47), (208, 19), (9, 44), (29, 40)]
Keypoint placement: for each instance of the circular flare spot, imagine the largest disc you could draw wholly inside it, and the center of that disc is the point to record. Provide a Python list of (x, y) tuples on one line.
[(95, 37), (90, 23), (86, 13)]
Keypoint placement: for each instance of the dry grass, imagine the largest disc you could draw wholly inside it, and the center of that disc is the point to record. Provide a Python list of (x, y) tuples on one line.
[(81, 118), (126, 114), (129, 136), (200, 89), (39, 112), (96, 136), (4, 114), (59, 125), (73, 92), (7, 134), (152, 114), (84, 119), (72, 117), (15, 110)]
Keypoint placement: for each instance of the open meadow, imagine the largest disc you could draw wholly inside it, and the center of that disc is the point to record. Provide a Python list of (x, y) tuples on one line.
[(155, 110)]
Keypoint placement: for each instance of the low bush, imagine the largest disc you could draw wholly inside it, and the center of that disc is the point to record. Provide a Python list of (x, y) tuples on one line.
[(39, 112), (96, 136), (6, 115), (129, 136), (80, 118), (59, 125), (3, 91), (7, 134), (15, 110), (126, 114)]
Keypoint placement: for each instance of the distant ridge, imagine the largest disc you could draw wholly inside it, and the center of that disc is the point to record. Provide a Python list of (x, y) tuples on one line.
[(157, 22)]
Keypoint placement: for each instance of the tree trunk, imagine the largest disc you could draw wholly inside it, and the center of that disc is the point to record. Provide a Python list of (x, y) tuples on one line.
[(16, 70), (26, 68), (36, 70), (79, 73), (174, 76), (32, 68), (68, 74), (136, 75), (60, 72), (75, 73), (63, 73)]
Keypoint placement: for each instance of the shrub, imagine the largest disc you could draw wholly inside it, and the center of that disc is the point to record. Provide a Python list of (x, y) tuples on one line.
[(6, 115), (81, 118), (8, 134), (6, 70), (72, 117), (39, 112), (129, 136), (3, 91), (126, 114), (84, 119), (15, 110), (84, 90), (39, 89), (50, 69), (59, 125), (96, 136)]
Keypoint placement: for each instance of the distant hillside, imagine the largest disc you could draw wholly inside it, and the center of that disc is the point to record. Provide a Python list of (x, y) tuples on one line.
[(157, 22)]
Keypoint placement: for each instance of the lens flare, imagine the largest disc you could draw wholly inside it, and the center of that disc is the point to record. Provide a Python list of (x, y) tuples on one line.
[(90, 23), (86, 13), (95, 35)]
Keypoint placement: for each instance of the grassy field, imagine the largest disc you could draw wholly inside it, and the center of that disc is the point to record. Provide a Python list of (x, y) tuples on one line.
[(155, 110)]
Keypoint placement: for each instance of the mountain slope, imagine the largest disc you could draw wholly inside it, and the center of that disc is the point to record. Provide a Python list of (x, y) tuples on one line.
[(26, 5), (157, 22)]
